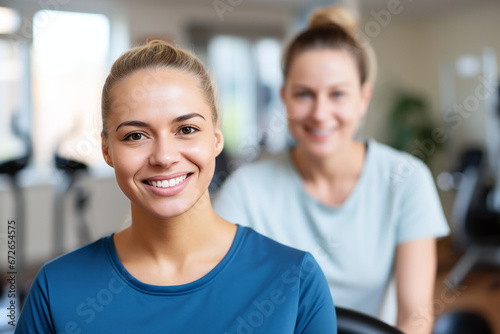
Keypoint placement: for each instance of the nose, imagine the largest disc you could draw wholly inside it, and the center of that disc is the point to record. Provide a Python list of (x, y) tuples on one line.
[(321, 110), (164, 153)]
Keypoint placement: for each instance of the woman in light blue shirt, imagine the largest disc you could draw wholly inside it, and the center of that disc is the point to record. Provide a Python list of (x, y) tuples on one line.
[(367, 212)]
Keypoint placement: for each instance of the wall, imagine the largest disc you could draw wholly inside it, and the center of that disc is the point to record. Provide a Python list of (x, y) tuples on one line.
[(410, 50), (173, 20)]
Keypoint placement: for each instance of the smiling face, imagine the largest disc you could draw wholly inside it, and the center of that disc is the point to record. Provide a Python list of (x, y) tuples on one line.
[(161, 141), (325, 100)]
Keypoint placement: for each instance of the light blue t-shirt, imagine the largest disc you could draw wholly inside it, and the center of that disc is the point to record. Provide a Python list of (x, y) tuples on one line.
[(260, 286), (394, 201)]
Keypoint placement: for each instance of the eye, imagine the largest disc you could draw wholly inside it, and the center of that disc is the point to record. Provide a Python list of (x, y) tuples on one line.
[(302, 95), (187, 130), (135, 136), (337, 94)]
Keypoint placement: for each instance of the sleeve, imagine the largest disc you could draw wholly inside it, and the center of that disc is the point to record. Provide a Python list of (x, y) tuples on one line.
[(230, 203), (316, 313), (420, 214), (35, 316)]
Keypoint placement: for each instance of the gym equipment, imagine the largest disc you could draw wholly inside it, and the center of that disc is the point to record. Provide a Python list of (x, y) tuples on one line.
[(12, 168), (74, 176), (353, 322), (475, 217), (461, 322), (475, 222)]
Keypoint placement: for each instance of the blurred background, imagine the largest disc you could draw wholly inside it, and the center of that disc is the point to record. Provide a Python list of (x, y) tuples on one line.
[(436, 96)]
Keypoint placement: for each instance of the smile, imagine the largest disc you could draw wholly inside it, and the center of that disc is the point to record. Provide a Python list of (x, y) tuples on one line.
[(321, 132), (168, 183)]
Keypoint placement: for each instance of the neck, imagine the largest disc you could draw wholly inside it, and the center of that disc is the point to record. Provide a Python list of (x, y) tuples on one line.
[(175, 238), (346, 162)]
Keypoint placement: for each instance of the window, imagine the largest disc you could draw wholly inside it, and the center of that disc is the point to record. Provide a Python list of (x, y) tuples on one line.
[(10, 20), (70, 58), (12, 77), (248, 75)]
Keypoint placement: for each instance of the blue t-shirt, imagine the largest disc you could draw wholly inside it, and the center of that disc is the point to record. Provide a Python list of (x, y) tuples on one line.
[(260, 286)]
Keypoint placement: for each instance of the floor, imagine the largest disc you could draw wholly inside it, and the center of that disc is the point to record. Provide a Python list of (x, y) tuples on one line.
[(479, 292)]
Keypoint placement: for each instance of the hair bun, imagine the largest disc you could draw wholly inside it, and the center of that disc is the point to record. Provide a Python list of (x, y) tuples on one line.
[(334, 14)]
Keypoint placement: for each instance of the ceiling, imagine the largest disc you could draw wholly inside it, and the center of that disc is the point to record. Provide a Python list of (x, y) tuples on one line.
[(411, 8), (421, 8)]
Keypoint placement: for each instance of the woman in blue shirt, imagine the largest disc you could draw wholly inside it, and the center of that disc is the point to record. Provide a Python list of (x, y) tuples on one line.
[(179, 267)]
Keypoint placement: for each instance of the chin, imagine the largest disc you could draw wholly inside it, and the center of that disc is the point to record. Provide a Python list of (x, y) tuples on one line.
[(321, 154), (322, 150), (168, 214), (166, 210)]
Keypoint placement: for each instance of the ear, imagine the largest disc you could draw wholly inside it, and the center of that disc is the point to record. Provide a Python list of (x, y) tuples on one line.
[(219, 139), (282, 93), (366, 95), (106, 152)]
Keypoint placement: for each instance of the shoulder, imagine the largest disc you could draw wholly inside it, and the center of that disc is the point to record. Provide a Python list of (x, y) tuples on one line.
[(301, 278), (270, 249), (81, 268), (248, 189), (267, 168), (411, 186), (257, 239), (277, 260), (396, 167), (289, 276), (79, 260), (392, 157), (250, 182)]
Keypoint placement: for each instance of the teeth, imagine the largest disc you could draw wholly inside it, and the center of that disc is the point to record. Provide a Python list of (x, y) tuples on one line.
[(321, 132), (168, 183)]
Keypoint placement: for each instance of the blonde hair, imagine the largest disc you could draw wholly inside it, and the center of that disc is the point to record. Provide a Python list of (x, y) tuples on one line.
[(334, 28), (156, 55)]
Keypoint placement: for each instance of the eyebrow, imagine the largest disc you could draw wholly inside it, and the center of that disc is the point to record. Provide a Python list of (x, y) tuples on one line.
[(145, 125), (187, 116), (336, 85)]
